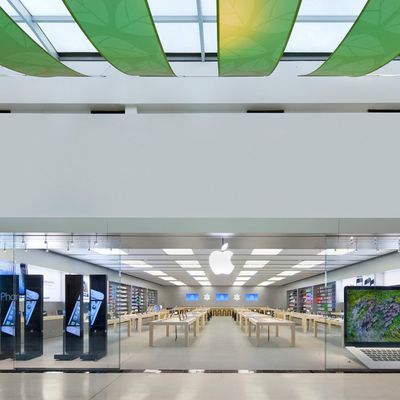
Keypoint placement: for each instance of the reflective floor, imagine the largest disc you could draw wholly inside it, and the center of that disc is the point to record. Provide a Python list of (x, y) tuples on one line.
[(54, 386)]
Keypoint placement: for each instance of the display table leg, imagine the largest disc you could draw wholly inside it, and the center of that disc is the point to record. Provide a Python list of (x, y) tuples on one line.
[(167, 330), (277, 330), (315, 328), (129, 327), (196, 327), (304, 324), (257, 335), (186, 335), (139, 324), (151, 335), (293, 336), (249, 331)]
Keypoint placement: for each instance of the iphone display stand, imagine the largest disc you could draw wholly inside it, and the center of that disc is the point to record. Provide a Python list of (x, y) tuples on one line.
[(73, 319), (97, 318), (33, 320)]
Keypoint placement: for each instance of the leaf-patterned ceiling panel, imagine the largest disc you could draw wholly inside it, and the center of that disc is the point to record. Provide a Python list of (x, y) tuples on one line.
[(22, 54), (372, 42), (123, 32), (253, 34)]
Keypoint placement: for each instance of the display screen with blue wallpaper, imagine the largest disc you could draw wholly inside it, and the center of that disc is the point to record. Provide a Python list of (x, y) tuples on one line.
[(192, 297), (251, 296), (222, 297)]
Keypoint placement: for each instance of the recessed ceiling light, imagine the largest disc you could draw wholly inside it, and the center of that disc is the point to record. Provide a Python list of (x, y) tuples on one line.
[(178, 283), (204, 283), (275, 278), (288, 273), (265, 283), (200, 278), (156, 273), (247, 273), (335, 252), (265, 252), (307, 264), (168, 278), (196, 273), (255, 263), (110, 252), (136, 263), (178, 252), (188, 263), (243, 278), (238, 283)]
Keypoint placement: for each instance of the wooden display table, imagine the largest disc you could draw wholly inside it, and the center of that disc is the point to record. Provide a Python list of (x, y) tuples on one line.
[(261, 321), (329, 322), (152, 316), (121, 320), (174, 321)]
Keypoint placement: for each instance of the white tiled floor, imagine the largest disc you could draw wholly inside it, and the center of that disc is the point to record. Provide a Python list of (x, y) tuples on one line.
[(50, 386)]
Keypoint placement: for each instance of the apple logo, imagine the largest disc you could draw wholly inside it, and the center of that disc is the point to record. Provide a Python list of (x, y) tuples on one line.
[(207, 297), (220, 261), (236, 297)]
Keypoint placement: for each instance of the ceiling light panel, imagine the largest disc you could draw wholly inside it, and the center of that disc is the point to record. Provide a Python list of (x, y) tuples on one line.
[(136, 263), (178, 252), (335, 252), (288, 273), (156, 273), (243, 278), (200, 278), (307, 264), (276, 278), (205, 283), (265, 283), (173, 7), (178, 283), (255, 263), (188, 263), (196, 273), (265, 252), (247, 273), (238, 283), (109, 252), (168, 278)]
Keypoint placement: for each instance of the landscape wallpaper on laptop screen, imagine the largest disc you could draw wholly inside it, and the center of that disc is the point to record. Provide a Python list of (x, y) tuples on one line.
[(373, 316)]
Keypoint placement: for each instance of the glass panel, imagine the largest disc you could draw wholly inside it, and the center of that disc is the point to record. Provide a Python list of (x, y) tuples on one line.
[(210, 37), (46, 7), (173, 7), (67, 37), (317, 37), (329, 7), (209, 7), (6, 6), (365, 326), (179, 37), (28, 30)]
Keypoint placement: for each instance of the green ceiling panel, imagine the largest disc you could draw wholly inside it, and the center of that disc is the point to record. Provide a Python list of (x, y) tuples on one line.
[(252, 35), (123, 32), (373, 41), (22, 54)]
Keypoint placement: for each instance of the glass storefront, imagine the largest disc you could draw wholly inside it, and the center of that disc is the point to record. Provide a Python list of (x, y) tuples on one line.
[(88, 302)]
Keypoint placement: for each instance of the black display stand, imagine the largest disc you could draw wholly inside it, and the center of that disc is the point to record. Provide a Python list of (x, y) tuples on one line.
[(9, 317), (73, 319), (97, 318), (33, 318)]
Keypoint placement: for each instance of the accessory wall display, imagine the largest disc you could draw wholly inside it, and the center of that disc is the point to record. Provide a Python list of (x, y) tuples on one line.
[(33, 318), (73, 319), (97, 318), (9, 317)]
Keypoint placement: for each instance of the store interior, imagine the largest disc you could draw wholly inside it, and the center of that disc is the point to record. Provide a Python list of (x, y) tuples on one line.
[(189, 302)]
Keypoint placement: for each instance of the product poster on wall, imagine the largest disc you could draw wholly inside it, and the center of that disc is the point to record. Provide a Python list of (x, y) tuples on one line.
[(52, 284)]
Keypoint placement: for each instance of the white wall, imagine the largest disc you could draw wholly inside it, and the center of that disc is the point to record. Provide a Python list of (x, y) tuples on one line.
[(244, 168)]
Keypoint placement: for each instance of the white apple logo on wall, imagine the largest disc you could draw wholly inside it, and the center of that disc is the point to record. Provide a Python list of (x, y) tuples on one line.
[(220, 261)]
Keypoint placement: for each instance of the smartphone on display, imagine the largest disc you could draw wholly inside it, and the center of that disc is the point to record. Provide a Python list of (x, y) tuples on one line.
[(31, 299), (96, 299), (8, 326), (74, 323)]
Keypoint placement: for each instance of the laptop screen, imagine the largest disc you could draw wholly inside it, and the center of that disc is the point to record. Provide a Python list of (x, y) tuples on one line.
[(372, 316)]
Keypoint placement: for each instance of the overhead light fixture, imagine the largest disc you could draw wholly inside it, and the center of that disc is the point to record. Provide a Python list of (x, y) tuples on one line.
[(276, 278), (200, 278), (204, 283), (188, 263), (136, 263), (110, 252), (247, 273), (196, 273), (243, 278), (265, 252), (156, 273), (288, 273), (335, 252), (238, 283), (265, 283), (255, 263), (178, 283), (178, 252), (220, 261), (168, 278), (308, 264)]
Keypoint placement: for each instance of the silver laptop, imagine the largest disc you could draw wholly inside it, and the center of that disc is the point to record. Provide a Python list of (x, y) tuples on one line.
[(372, 325)]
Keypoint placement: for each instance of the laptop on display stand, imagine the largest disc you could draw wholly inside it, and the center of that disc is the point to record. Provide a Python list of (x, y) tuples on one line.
[(372, 325)]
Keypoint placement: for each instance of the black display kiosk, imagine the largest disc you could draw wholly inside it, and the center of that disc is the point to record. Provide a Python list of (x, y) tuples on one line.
[(73, 319), (97, 318), (33, 318), (9, 317)]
